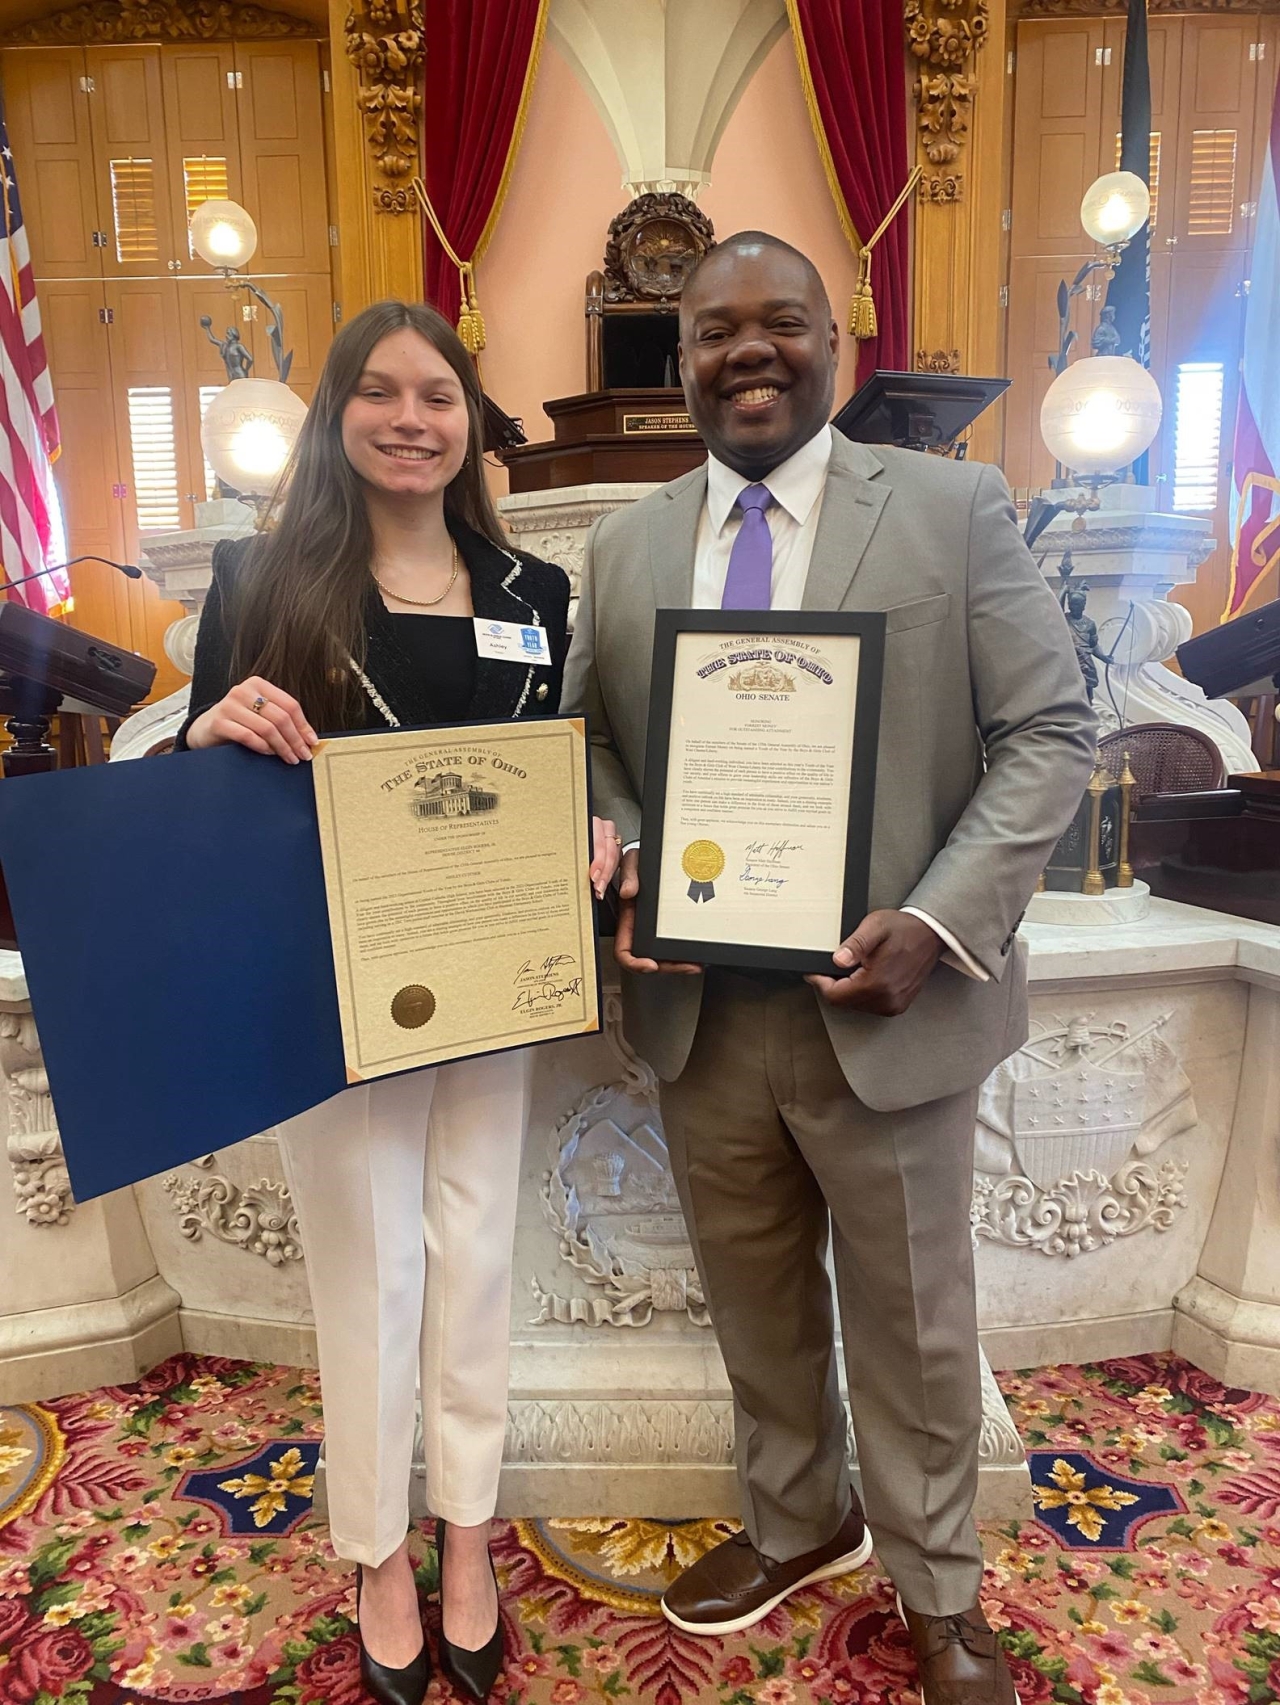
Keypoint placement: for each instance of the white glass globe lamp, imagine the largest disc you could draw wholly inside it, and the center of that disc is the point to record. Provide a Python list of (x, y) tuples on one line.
[(223, 234), (1100, 414), (249, 429), (1115, 208)]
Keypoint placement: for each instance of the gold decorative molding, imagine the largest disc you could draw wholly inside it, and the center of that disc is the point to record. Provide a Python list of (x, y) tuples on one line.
[(940, 187), (938, 361), (157, 20), (1117, 8), (384, 44), (945, 35)]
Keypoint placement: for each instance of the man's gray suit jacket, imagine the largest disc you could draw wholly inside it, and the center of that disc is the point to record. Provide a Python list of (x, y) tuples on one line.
[(986, 738)]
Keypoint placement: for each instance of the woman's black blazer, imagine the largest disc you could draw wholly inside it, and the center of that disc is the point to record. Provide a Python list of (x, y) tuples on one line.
[(506, 586)]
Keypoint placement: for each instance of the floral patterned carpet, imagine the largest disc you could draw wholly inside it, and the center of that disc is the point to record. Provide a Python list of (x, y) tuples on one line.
[(157, 1542)]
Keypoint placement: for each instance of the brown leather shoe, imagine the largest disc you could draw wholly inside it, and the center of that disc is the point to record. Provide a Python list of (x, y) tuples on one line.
[(735, 1585), (959, 1659)]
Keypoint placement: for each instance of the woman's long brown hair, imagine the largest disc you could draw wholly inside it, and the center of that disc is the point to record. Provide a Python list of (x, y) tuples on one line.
[(299, 612)]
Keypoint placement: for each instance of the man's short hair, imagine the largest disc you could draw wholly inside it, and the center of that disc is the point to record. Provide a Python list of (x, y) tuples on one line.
[(742, 242)]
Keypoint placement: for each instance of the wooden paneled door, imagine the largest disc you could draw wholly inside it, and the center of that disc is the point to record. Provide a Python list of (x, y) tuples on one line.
[(47, 109), (158, 448), (202, 126), (282, 155), (1058, 140), (1057, 133), (130, 159), (87, 472)]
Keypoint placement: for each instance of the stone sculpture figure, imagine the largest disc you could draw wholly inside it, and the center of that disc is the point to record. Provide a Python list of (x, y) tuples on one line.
[(1106, 339), (235, 357), (1084, 636)]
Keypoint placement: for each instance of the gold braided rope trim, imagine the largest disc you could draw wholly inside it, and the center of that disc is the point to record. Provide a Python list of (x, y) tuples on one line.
[(819, 133), (471, 328), (862, 308), (517, 134), (470, 319)]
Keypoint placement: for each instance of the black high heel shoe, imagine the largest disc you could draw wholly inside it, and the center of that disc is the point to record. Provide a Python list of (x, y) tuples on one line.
[(473, 1673), (407, 1686)]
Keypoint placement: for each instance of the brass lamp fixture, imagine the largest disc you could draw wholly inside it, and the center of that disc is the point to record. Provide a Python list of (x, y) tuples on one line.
[(250, 427), (1115, 208), (225, 236), (1100, 414), (1097, 417)]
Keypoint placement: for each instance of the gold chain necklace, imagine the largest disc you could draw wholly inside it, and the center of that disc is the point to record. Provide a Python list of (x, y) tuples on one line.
[(421, 603)]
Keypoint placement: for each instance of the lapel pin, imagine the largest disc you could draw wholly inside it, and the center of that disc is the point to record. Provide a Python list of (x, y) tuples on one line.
[(541, 692)]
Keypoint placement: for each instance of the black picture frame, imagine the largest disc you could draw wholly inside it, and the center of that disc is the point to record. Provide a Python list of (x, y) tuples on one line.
[(869, 627)]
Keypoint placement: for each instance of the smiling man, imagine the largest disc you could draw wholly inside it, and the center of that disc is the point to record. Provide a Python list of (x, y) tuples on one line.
[(842, 1108)]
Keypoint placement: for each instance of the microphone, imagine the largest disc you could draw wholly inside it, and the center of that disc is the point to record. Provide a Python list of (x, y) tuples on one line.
[(129, 568)]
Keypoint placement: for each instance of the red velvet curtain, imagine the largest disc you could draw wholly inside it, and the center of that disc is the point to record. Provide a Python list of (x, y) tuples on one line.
[(479, 66), (851, 61)]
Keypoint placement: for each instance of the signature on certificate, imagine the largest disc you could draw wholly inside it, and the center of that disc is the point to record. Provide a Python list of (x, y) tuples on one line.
[(545, 984), (542, 970), (765, 859), (763, 881), (548, 996), (771, 852)]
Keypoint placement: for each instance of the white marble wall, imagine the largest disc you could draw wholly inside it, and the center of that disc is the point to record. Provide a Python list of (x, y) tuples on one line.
[(1156, 1045)]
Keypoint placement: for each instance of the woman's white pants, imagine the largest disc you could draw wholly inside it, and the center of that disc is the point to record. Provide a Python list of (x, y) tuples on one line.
[(405, 1191)]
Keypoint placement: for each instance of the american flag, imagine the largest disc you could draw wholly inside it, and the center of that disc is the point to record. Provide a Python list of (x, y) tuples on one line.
[(31, 533), (1255, 458)]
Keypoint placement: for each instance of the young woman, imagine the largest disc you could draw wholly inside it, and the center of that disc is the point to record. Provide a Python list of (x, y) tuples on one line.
[(355, 612)]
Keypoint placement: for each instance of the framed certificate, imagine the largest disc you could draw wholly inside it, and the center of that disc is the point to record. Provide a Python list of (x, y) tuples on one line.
[(456, 877), (759, 785)]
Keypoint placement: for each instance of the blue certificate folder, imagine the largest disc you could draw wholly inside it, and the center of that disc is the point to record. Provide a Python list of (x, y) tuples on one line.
[(172, 919)]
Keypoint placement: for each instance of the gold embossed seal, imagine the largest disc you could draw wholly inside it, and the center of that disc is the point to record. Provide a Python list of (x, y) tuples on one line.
[(413, 1007), (702, 862)]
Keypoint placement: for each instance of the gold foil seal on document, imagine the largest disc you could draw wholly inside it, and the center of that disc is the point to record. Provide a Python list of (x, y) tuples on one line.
[(413, 1006)]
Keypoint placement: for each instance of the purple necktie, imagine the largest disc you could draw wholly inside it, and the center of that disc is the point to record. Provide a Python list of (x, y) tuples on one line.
[(749, 583)]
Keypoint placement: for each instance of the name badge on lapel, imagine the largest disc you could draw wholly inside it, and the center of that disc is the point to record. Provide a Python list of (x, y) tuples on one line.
[(511, 642)]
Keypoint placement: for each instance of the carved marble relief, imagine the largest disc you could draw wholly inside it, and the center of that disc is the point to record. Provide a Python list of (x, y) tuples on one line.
[(257, 1218), (1065, 1128), (611, 1200), (618, 1431), (40, 1179), (566, 548)]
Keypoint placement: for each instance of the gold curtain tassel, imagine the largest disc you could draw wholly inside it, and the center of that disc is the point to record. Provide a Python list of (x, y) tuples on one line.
[(470, 319), (862, 309), (471, 330)]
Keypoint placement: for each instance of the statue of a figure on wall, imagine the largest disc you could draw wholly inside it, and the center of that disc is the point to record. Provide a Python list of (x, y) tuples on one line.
[(235, 357), (1106, 339), (1084, 635)]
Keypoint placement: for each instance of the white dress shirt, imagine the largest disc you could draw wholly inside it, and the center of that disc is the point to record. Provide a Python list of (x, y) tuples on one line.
[(797, 486)]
